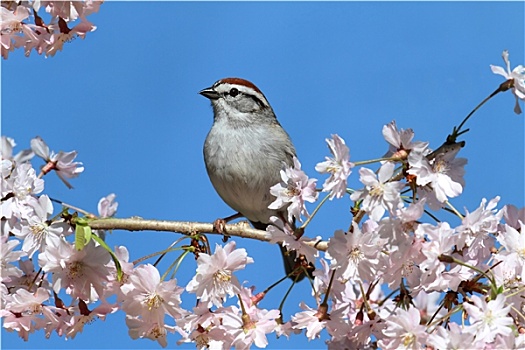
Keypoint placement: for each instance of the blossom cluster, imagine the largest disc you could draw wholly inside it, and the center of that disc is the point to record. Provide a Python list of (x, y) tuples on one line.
[(396, 278), (40, 265), (22, 27), (435, 268)]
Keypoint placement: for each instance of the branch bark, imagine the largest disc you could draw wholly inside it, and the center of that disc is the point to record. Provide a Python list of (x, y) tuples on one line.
[(241, 229)]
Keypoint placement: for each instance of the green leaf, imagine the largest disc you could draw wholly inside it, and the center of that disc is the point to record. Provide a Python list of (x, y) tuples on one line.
[(113, 256), (81, 232)]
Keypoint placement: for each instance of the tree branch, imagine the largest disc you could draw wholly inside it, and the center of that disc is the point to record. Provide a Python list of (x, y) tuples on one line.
[(241, 229)]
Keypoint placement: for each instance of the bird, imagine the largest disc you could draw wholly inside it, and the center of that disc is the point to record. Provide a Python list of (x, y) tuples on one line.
[(244, 152)]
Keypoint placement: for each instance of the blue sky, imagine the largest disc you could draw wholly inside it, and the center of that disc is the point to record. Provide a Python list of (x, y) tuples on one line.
[(126, 98)]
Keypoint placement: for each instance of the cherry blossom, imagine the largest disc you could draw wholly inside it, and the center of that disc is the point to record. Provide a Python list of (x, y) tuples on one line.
[(7, 256), (439, 240), (311, 319), (62, 162), (517, 76), (513, 216), (455, 337), (294, 189), (82, 274), (139, 328), (474, 232), (380, 193), (204, 327), (250, 329), (149, 298), (114, 285), (36, 231), (10, 25), (400, 141), (23, 185), (339, 167), (6, 151), (28, 278), (86, 316), (488, 319), (11, 21), (215, 279), (444, 174), (282, 234), (23, 309), (18, 31), (404, 264), (107, 207), (403, 330), (355, 253), (397, 228), (513, 256)]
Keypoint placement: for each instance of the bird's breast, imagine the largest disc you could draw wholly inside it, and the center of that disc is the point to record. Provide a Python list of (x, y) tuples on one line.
[(242, 167)]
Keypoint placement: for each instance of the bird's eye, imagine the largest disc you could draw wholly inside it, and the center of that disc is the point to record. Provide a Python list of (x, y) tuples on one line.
[(234, 92)]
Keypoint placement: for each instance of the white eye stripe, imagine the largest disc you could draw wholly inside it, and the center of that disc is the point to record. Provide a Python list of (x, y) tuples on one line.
[(225, 88)]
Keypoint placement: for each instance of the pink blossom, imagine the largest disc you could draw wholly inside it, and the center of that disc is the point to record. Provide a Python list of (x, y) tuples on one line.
[(147, 300), (27, 303), (148, 297), (7, 255), (107, 207), (6, 151), (18, 32), (380, 193), (454, 337), (322, 278), (403, 331), (488, 319), (62, 162), (204, 327), (57, 40), (24, 186), (398, 228), (309, 319), (444, 173), (139, 328), (439, 240), (10, 25), (65, 9), (518, 77), (83, 274), (250, 329), (513, 216), (403, 263), (10, 21), (114, 284), (513, 256), (428, 304), (476, 228), (281, 234), (28, 278), (339, 167), (401, 141), (86, 316), (23, 311), (37, 231), (215, 279), (355, 253), (294, 189)]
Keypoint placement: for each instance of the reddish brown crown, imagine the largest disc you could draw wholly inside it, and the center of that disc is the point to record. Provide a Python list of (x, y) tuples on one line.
[(240, 81)]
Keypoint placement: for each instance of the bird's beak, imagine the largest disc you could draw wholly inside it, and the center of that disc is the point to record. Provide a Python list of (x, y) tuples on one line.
[(209, 93)]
